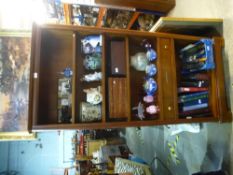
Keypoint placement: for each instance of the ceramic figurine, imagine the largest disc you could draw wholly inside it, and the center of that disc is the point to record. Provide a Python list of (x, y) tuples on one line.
[(96, 76), (152, 109), (67, 72), (88, 48), (64, 87), (117, 19), (92, 44), (65, 114), (148, 99), (146, 21), (150, 86), (90, 112), (90, 15), (92, 62), (151, 70), (93, 95), (139, 61), (140, 109)]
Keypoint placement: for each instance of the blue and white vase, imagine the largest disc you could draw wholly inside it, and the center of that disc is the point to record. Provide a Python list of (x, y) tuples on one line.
[(151, 70), (150, 86)]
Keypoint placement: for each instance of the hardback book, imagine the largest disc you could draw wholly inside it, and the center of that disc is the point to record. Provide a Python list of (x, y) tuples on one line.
[(200, 83), (192, 49), (195, 76), (189, 26), (193, 96), (193, 107), (195, 113), (193, 67), (194, 102), (191, 89)]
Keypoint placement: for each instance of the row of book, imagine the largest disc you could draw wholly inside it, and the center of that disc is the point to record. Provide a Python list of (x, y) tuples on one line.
[(196, 61)]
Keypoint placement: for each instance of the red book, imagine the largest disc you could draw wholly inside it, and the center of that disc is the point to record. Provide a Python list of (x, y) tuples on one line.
[(192, 89)]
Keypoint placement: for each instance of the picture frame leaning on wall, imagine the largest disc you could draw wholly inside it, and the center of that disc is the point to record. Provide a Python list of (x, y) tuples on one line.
[(15, 48)]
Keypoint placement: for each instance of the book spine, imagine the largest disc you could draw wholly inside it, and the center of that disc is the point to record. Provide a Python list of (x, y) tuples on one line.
[(201, 114), (191, 89), (193, 66), (199, 84), (194, 57), (193, 107), (194, 102), (193, 96), (192, 49), (197, 76), (194, 112)]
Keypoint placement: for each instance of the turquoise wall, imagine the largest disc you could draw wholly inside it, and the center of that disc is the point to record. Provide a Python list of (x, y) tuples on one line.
[(47, 155)]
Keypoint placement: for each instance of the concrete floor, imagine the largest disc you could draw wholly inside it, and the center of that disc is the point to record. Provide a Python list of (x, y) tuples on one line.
[(211, 148)]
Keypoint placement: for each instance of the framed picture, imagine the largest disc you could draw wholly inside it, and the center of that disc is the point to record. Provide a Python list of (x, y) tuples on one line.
[(14, 81)]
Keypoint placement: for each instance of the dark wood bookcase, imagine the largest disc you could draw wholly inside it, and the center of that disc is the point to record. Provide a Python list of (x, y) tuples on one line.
[(55, 47)]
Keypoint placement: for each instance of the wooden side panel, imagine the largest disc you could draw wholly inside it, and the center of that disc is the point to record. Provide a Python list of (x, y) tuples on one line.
[(118, 101), (167, 79), (224, 112), (34, 78)]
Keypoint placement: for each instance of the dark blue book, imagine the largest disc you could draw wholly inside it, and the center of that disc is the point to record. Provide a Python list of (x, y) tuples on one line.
[(194, 102), (199, 83)]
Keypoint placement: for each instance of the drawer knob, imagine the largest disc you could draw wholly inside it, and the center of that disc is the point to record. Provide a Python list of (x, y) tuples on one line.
[(169, 108)]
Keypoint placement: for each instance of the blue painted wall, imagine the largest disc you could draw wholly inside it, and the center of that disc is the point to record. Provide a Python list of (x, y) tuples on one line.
[(48, 155)]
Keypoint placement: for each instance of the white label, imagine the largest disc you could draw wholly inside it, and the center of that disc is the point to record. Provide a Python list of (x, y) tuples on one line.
[(35, 75)]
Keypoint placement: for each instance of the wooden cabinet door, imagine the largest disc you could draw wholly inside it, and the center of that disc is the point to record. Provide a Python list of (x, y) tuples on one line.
[(167, 79)]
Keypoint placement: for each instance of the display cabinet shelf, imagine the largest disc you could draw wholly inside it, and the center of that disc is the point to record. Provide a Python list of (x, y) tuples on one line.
[(124, 100)]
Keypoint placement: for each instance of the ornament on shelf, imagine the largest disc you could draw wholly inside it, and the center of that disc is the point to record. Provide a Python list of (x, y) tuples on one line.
[(151, 70), (150, 86), (151, 54), (152, 109), (67, 72), (92, 62), (93, 95), (139, 61), (96, 76), (148, 99), (140, 109)]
